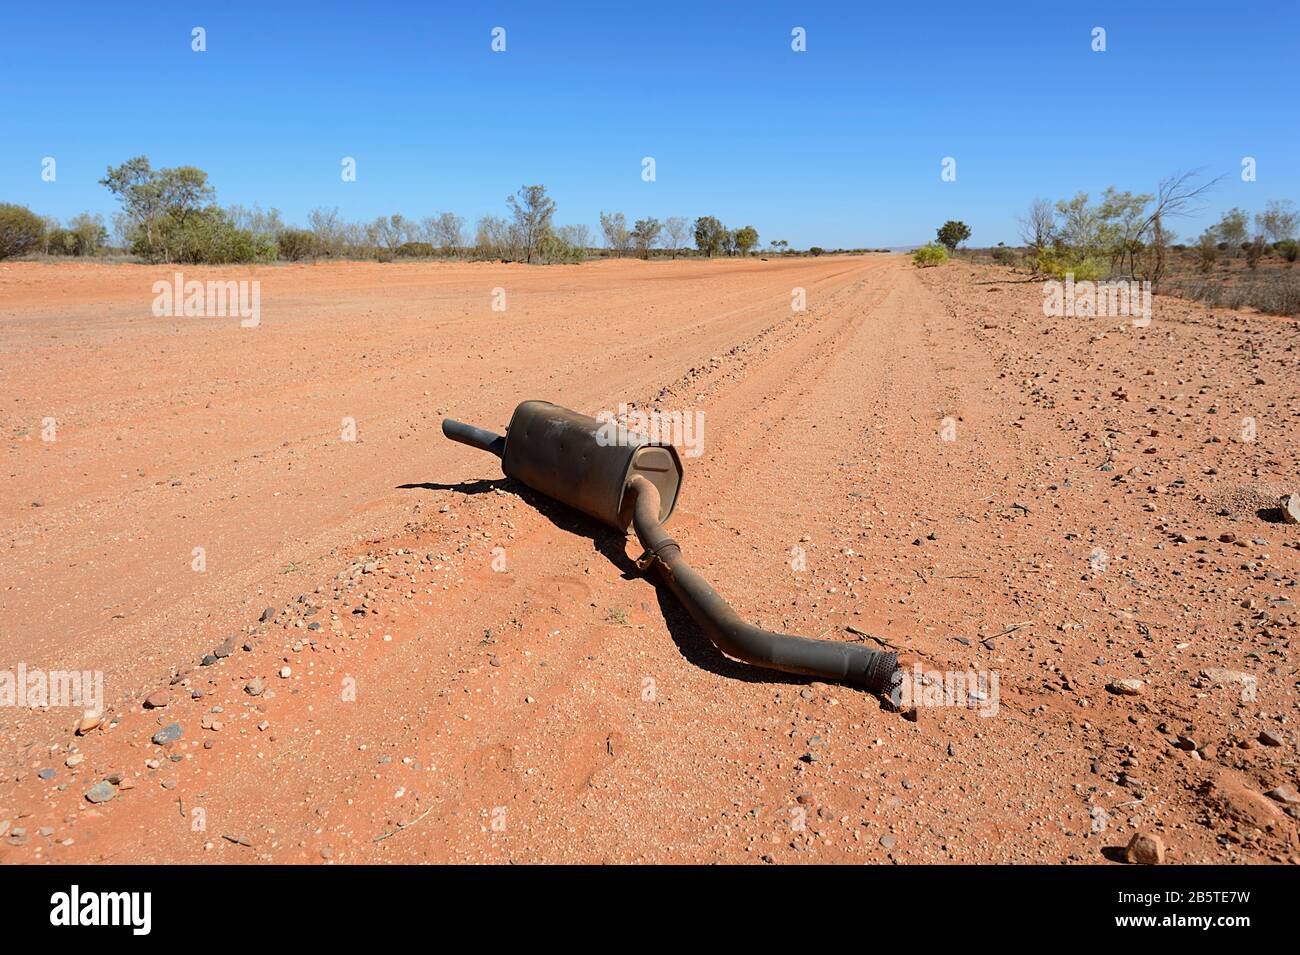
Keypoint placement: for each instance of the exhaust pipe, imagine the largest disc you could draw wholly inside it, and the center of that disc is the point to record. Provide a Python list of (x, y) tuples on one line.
[(624, 480)]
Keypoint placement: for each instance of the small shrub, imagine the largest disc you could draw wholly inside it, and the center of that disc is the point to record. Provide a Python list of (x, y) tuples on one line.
[(1209, 254), (21, 230), (553, 249), (60, 242), (415, 250), (1275, 294), (929, 255), (201, 236), (1058, 266), (816, 250), (298, 244), (1254, 252), (1004, 256), (1289, 249)]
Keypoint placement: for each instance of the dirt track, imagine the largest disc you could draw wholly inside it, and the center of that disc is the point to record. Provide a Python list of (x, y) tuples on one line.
[(566, 710)]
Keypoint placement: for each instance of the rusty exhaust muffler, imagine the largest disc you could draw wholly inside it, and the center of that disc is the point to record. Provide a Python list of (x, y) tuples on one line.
[(634, 482)]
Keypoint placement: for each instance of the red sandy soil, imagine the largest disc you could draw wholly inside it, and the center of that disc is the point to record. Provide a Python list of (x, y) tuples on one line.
[(565, 709)]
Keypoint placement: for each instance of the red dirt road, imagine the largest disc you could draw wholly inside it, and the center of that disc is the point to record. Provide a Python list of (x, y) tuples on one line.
[(1100, 513)]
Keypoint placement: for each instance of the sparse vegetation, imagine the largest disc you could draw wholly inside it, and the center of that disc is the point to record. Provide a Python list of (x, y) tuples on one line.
[(1065, 263), (1126, 236), (171, 215)]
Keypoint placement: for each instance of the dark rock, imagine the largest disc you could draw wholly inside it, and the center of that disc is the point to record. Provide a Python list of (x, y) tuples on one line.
[(101, 792), (168, 734)]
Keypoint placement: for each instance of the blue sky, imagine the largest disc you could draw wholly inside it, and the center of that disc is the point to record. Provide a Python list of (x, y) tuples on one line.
[(838, 146)]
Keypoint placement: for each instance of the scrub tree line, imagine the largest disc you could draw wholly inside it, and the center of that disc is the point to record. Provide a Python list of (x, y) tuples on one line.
[(171, 215)]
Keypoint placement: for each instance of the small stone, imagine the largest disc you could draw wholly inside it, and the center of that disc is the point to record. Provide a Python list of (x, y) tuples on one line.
[(46, 774), (88, 723), (1125, 687), (1145, 849), (74, 760), (168, 734), (255, 687), (1291, 509), (1269, 738), (267, 615), (157, 699), (101, 792), (225, 648), (1223, 675), (1286, 793), (285, 673), (208, 660), (888, 842)]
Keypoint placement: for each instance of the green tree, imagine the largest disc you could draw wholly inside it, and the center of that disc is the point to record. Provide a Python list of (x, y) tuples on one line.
[(1231, 228), (710, 235), (1278, 221), (676, 231), (88, 232), (614, 226), (644, 235), (746, 239), (157, 202), (1123, 221), (533, 211), (953, 233)]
